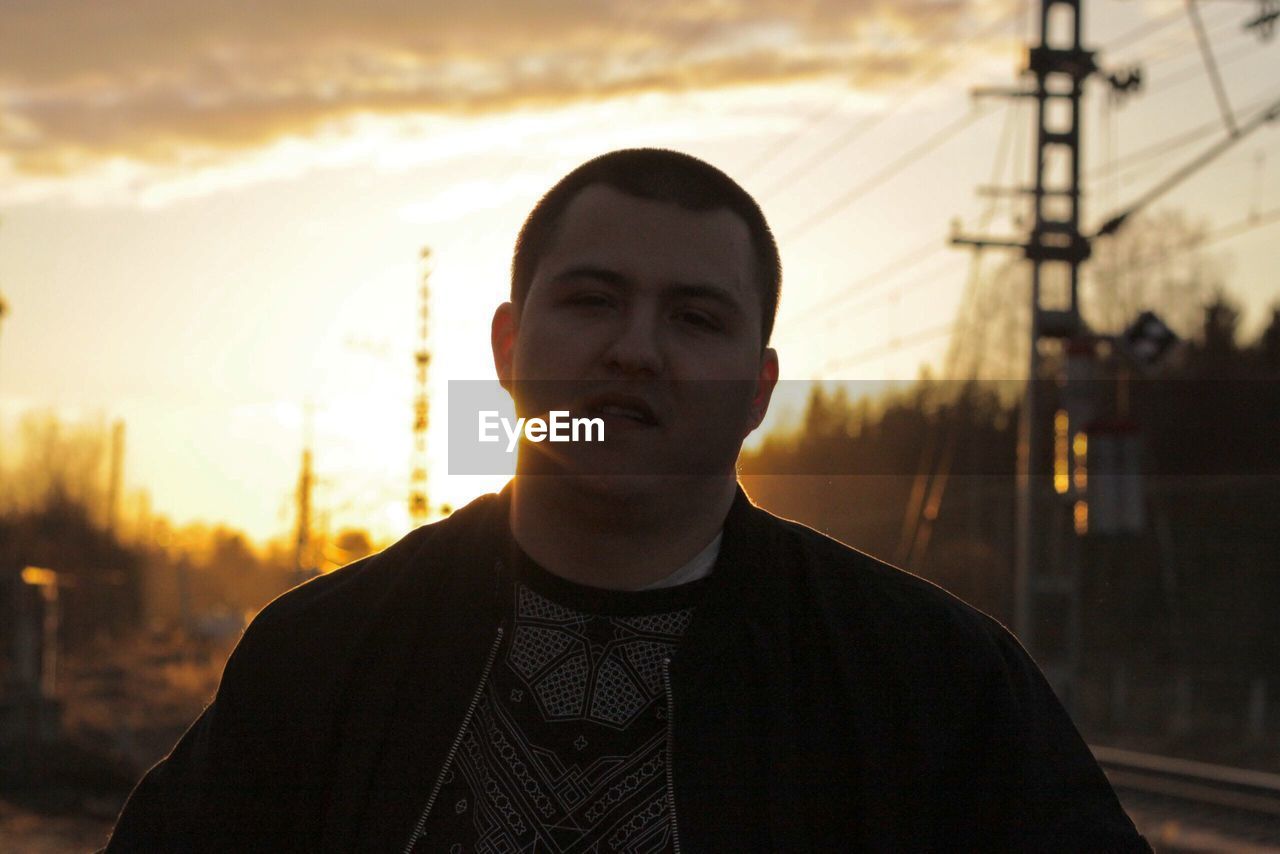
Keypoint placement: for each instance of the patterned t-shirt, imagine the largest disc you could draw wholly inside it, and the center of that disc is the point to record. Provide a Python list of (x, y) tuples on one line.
[(567, 749)]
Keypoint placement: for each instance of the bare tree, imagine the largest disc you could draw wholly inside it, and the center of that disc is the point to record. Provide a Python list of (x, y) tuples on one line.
[(59, 462), (1158, 261)]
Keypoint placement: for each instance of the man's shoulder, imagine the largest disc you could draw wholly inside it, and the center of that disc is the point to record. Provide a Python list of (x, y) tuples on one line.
[(917, 683), (886, 626), (336, 601), (862, 593)]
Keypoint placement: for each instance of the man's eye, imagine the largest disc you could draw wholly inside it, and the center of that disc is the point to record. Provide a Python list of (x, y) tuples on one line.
[(589, 299), (700, 319)]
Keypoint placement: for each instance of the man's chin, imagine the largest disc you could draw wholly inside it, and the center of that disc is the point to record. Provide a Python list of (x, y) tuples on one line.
[(624, 487), (629, 488), (617, 473)]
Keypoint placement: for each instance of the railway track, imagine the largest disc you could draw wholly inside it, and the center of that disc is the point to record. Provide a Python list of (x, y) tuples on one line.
[(1183, 805)]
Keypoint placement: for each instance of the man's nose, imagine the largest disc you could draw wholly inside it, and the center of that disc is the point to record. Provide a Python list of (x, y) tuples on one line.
[(637, 349)]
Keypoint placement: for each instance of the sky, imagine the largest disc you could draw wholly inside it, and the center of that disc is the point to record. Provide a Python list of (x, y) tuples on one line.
[(211, 213)]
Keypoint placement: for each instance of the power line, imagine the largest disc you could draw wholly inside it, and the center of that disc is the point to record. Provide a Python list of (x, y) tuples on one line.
[(1142, 157), (973, 280), (1119, 167), (1144, 30), (1008, 140), (906, 261), (909, 158), (1192, 70), (925, 80), (1177, 47), (914, 257), (1168, 145), (814, 119), (925, 251), (897, 292), (931, 484), (922, 336), (1190, 168), (1218, 235), (1211, 67), (1245, 225)]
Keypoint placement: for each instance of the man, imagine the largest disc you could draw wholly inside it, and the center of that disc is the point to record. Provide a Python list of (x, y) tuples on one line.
[(620, 652)]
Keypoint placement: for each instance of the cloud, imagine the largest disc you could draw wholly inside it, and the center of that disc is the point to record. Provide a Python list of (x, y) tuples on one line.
[(84, 82)]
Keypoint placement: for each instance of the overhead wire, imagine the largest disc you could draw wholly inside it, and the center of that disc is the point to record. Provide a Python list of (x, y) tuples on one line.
[(899, 264), (925, 79), (912, 533), (1251, 222), (1211, 67), (1176, 47), (811, 121), (899, 342), (912, 156), (900, 290), (1188, 169), (1192, 70), (908, 260), (1259, 180), (934, 470), (922, 336), (1144, 30), (917, 255), (1178, 51), (1235, 131), (1140, 157), (1008, 141), (1110, 148)]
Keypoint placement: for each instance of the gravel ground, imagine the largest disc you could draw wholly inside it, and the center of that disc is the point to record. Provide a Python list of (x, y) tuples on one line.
[(25, 831), (124, 705)]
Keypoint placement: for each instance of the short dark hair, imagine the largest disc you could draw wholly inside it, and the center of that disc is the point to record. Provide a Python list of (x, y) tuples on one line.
[(657, 174)]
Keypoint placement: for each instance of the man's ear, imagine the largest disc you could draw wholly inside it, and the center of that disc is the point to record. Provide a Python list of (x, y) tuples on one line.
[(502, 338), (766, 380)]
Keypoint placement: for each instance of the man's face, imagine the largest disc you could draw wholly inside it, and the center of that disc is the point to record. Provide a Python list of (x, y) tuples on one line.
[(647, 315)]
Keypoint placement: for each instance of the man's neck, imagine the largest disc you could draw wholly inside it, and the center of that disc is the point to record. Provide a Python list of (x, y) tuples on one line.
[(617, 539)]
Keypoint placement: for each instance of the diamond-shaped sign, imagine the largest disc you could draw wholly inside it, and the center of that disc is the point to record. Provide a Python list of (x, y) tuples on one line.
[(1148, 338)]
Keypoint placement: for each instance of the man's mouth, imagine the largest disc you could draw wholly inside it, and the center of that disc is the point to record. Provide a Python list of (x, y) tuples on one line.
[(622, 406)]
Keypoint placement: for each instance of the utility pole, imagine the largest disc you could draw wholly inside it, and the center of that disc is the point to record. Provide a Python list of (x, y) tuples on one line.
[(4, 310), (116, 477), (303, 560), (419, 507), (1047, 599)]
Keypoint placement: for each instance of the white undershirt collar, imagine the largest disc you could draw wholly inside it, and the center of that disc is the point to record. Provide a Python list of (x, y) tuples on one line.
[(699, 567)]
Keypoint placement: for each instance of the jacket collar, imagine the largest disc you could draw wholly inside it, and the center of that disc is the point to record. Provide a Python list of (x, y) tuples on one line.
[(745, 587), (425, 648), (412, 675), (739, 580)]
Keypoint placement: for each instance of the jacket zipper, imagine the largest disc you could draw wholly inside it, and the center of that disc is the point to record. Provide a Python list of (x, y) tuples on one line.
[(457, 740), (671, 755)]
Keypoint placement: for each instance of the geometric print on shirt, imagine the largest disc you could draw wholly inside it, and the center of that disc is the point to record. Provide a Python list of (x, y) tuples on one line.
[(567, 749), (576, 664)]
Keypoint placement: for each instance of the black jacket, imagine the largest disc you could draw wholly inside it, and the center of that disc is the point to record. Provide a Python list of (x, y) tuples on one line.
[(822, 700)]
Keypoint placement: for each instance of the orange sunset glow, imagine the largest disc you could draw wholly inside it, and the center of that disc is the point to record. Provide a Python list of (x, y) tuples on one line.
[(212, 213), (1028, 341)]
